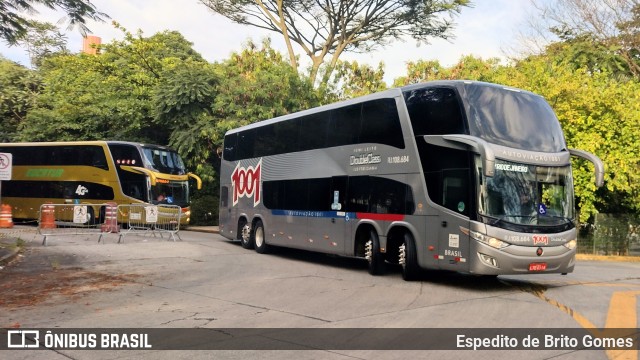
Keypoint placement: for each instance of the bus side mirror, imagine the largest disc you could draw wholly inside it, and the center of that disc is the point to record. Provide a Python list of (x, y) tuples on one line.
[(597, 163)]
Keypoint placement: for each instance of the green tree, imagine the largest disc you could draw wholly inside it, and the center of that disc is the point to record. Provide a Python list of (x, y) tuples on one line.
[(254, 84), (19, 87), (43, 40), (329, 28), (110, 95), (14, 25), (609, 25), (467, 68), (351, 79)]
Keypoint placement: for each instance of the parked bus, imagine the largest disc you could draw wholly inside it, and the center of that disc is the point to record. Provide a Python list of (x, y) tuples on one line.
[(94, 172), (455, 175)]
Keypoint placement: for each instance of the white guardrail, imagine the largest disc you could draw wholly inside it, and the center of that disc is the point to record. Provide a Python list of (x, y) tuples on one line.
[(99, 219), (144, 219)]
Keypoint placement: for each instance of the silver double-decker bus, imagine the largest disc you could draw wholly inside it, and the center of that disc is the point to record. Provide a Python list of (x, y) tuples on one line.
[(455, 175)]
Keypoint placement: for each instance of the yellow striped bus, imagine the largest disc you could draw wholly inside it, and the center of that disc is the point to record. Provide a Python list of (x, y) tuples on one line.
[(94, 172)]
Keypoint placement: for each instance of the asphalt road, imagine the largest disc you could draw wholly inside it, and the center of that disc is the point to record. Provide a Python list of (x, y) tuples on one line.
[(205, 281)]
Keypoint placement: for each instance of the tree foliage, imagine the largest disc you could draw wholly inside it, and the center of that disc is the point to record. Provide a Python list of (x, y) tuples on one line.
[(43, 40), (108, 96), (254, 84), (351, 79), (19, 88), (612, 25), (468, 67), (14, 25), (329, 28)]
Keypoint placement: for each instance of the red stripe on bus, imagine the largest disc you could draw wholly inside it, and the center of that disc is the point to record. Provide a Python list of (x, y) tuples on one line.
[(380, 217)]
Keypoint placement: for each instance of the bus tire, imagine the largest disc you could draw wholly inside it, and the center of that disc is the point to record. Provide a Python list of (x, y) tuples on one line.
[(258, 238), (408, 258), (244, 233), (373, 255)]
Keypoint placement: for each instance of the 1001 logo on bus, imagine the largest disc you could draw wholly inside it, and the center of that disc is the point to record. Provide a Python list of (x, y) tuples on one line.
[(246, 182)]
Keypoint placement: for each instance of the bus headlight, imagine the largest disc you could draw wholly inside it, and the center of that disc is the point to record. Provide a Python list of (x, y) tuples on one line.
[(571, 244), (491, 241)]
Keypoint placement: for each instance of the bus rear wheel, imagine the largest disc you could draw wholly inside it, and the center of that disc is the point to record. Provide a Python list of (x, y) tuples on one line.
[(373, 255), (408, 258), (245, 235), (258, 238)]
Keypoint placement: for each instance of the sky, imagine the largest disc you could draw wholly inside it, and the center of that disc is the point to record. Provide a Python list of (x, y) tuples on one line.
[(488, 29)]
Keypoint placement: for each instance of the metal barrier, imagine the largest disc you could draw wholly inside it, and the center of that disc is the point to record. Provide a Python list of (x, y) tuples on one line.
[(99, 219), (70, 219), (142, 219)]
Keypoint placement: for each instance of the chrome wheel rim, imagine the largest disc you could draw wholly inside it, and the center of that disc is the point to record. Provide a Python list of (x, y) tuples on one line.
[(246, 233), (368, 250), (259, 237)]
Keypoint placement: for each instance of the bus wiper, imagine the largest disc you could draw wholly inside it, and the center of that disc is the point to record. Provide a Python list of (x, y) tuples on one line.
[(494, 220)]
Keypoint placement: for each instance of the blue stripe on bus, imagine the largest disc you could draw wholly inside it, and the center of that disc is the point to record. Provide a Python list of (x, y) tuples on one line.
[(318, 214), (338, 214)]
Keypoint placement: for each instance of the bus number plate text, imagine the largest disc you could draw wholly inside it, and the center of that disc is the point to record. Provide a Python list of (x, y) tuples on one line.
[(537, 266)]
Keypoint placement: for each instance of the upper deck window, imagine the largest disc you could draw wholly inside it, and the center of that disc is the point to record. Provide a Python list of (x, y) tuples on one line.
[(434, 111)]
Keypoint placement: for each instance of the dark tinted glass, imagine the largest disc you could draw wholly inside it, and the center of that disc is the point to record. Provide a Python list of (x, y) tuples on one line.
[(447, 173), (230, 146), (379, 195), (125, 154), (365, 194), (375, 122), (344, 126), (246, 142), (67, 155), (286, 136), (381, 124), (313, 131), (513, 118), (434, 111)]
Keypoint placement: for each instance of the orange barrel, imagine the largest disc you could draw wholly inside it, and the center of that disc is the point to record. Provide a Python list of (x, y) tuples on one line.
[(6, 217), (48, 217)]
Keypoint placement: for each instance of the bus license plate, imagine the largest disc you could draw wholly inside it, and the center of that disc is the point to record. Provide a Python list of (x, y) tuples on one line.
[(537, 266)]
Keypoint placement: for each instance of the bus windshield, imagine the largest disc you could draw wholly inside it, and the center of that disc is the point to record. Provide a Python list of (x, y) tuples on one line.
[(513, 118), (171, 192), (526, 197), (163, 161)]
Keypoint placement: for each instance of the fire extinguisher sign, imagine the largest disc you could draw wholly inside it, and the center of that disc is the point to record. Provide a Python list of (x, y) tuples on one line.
[(5, 166)]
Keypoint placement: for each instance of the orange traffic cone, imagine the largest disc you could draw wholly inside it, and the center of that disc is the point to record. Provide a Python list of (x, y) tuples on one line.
[(48, 217), (6, 218)]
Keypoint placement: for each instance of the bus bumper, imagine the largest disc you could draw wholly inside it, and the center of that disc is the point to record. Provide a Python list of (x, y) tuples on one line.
[(515, 259)]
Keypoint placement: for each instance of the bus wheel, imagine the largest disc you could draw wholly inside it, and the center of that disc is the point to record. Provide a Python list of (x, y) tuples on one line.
[(408, 258), (258, 238), (245, 235), (373, 255)]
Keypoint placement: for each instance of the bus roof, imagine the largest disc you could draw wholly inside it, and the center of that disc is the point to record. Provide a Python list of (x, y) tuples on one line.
[(390, 93)]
